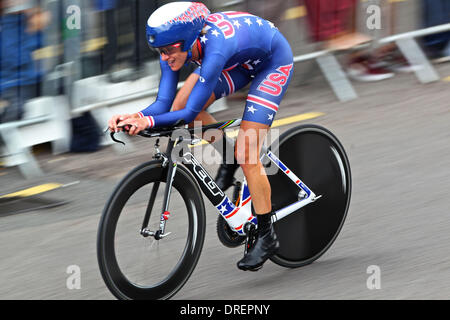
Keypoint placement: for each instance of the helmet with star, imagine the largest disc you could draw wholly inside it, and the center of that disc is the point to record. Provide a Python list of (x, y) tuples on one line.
[(176, 22)]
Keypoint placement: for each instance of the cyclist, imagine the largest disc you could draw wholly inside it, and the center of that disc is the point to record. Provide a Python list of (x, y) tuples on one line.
[(231, 50)]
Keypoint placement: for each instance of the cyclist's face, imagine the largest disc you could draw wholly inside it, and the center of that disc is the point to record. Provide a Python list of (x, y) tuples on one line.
[(173, 55)]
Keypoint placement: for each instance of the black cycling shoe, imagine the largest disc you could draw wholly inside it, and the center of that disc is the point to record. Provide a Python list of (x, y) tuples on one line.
[(225, 175), (266, 245)]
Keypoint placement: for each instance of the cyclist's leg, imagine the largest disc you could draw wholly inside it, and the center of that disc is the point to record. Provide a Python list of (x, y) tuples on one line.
[(264, 97), (265, 94), (229, 82), (249, 142), (248, 145)]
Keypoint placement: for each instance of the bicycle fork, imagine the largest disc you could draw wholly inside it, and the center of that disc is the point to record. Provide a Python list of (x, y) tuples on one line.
[(165, 214)]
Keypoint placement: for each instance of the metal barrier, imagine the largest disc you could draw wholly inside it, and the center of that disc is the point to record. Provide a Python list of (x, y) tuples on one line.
[(416, 33), (405, 41), (413, 53), (51, 124)]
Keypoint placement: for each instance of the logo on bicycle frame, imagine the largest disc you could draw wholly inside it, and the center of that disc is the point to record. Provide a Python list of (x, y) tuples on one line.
[(203, 176)]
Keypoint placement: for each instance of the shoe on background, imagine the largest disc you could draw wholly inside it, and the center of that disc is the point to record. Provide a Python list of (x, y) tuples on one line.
[(366, 69), (440, 56)]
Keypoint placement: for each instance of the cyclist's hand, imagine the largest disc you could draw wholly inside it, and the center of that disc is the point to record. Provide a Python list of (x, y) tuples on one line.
[(134, 125), (112, 123)]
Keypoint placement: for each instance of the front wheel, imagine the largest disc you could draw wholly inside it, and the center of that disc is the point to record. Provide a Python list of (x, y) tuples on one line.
[(137, 266), (316, 156)]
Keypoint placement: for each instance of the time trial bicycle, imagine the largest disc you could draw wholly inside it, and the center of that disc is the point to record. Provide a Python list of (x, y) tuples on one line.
[(310, 197)]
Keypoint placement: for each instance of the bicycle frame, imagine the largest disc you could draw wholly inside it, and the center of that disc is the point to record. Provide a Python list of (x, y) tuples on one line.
[(306, 196), (222, 202)]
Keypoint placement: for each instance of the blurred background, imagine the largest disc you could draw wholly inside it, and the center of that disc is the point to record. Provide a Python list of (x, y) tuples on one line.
[(377, 71), (69, 64)]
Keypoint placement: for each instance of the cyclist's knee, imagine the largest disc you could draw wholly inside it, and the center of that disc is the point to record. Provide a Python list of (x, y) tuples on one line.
[(251, 168), (247, 157), (248, 145)]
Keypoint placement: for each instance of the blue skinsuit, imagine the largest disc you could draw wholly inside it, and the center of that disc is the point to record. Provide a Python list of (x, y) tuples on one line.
[(237, 48)]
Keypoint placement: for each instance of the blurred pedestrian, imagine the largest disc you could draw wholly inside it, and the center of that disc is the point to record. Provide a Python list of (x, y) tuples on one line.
[(332, 22), (136, 13), (20, 24), (107, 8), (437, 46)]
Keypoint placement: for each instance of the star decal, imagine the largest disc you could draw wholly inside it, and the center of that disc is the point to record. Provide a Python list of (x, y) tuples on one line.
[(259, 21), (271, 24), (248, 64), (247, 21), (251, 109), (203, 39), (256, 62), (270, 116), (215, 33), (223, 209), (236, 23)]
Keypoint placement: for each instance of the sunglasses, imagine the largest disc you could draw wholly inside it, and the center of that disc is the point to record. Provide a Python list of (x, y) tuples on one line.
[(168, 50)]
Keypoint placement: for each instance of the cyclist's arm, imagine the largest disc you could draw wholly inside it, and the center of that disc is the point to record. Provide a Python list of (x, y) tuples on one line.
[(166, 92), (209, 75)]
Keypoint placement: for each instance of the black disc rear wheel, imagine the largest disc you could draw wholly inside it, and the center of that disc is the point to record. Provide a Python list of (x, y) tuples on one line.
[(316, 156)]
